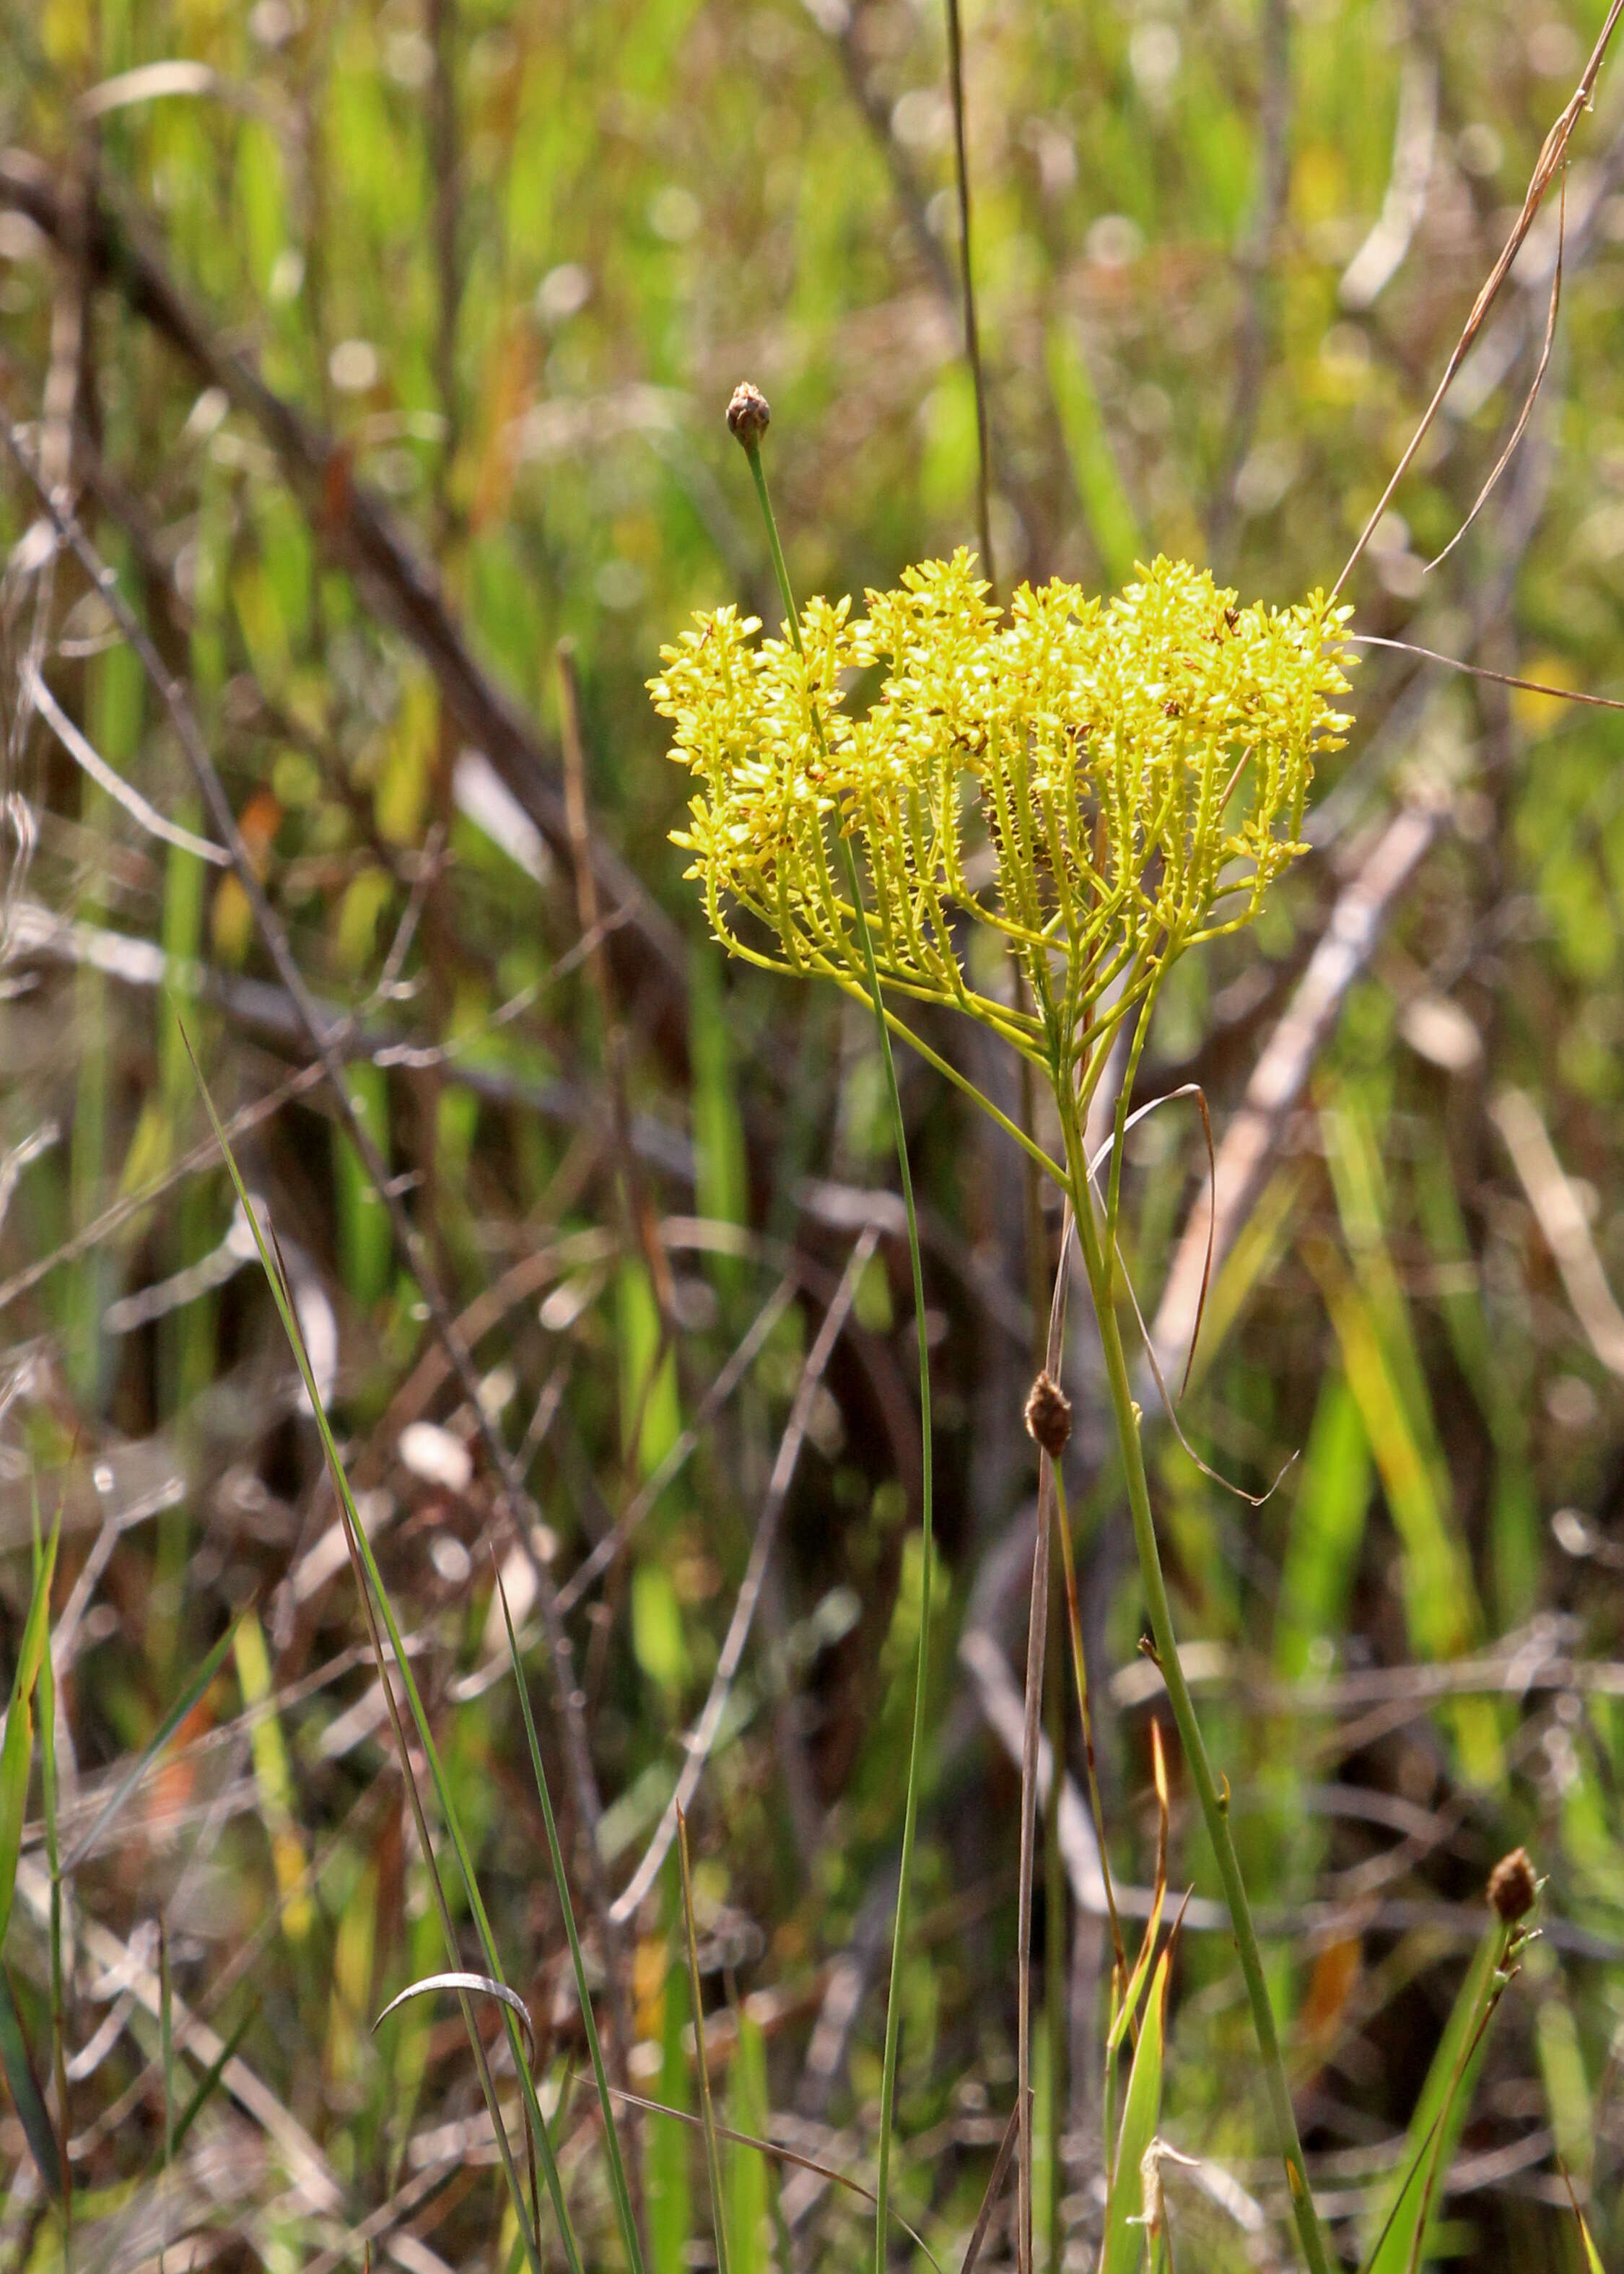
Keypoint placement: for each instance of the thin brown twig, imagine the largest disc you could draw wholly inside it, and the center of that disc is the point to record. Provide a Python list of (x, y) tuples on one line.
[(1532, 396), (1552, 156), (995, 2184), (703, 1736), (768, 2147), (1562, 1220), (1482, 671)]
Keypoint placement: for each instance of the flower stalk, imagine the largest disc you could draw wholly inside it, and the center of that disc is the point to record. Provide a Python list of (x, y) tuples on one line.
[(1215, 1803), (1097, 787), (748, 416)]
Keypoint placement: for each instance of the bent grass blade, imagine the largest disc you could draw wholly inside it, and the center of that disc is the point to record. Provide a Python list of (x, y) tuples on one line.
[(373, 1592), (617, 2169)]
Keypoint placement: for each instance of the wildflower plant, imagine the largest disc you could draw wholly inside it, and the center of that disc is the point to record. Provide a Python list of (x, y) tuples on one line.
[(1100, 785)]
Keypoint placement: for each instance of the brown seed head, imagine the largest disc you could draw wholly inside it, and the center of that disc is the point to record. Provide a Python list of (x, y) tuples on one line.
[(1048, 1415), (1513, 1887), (748, 415)]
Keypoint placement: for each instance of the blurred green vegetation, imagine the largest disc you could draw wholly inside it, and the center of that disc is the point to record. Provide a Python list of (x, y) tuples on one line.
[(506, 261)]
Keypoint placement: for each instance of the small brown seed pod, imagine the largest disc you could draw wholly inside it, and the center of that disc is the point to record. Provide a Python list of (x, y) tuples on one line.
[(1048, 1415), (749, 416), (1513, 1887)]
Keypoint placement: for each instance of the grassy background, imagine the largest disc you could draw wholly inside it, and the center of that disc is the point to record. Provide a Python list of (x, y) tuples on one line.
[(508, 261)]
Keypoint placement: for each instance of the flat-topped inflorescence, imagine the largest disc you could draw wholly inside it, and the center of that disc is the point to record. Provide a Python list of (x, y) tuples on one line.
[(1103, 783)]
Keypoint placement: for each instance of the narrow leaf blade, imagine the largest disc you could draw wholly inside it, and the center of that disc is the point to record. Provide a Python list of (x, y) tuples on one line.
[(16, 1752), (1124, 2236), (26, 2094), (194, 1691)]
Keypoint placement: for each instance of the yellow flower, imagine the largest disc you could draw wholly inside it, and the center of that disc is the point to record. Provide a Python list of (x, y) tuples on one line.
[(1103, 783)]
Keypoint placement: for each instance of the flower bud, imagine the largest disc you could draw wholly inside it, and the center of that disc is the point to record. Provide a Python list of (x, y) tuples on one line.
[(1048, 1415), (749, 416), (1512, 1886)]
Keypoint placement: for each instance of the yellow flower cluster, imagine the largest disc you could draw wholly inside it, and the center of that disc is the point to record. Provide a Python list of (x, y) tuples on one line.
[(1103, 783)]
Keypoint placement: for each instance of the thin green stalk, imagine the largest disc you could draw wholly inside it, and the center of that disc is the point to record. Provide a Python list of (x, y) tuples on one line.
[(1037, 1637), (560, 1880), (972, 344), (1054, 1930), (707, 2114), (374, 1602), (909, 1808), (166, 2061), (58, 1989), (1215, 1805), (792, 623)]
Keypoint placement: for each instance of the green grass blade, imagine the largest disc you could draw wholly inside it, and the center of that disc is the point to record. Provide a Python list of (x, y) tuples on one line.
[(1124, 2235), (166, 2064), (208, 2084), (194, 1691), (1329, 1513), (46, 1693), (27, 2098), (670, 2184), (373, 1591), (16, 1752), (1440, 2112), (612, 2140), (707, 2114), (747, 2180)]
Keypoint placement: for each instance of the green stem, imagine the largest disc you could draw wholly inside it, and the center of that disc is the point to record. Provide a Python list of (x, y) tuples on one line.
[(792, 625), (1055, 1923), (713, 2160), (1215, 1805), (909, 1808)]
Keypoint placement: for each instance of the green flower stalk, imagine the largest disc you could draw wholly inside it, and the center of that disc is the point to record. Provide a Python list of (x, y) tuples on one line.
[(1094, 786)]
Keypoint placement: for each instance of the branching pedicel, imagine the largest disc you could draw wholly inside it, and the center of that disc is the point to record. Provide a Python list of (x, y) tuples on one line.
[(1137, 770)]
